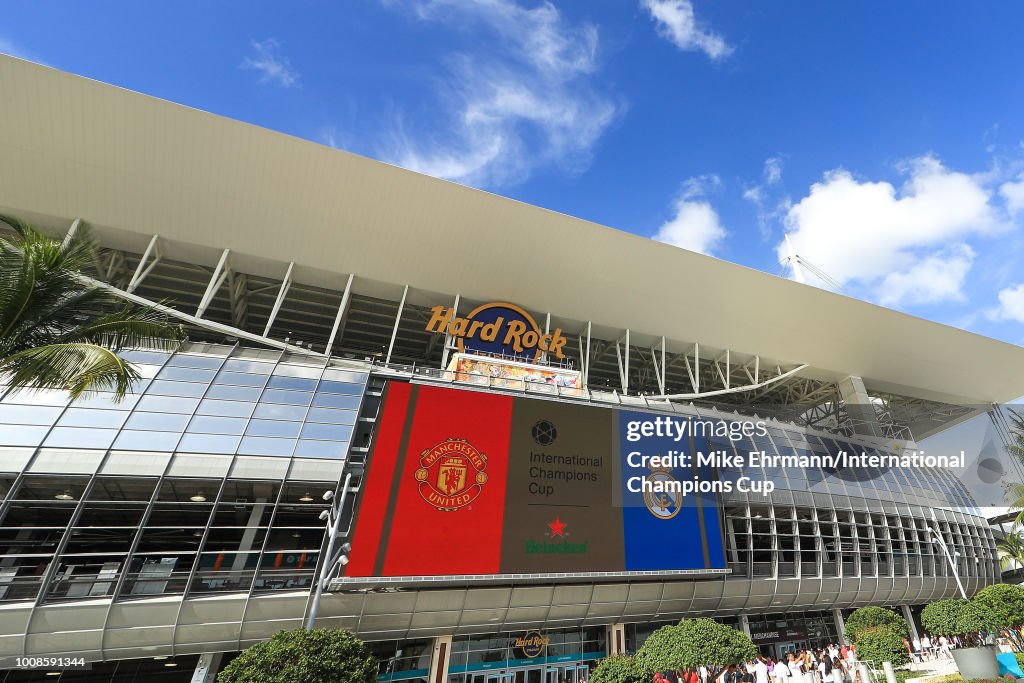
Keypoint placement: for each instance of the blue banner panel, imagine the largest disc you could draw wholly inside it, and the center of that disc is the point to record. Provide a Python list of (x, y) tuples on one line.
[(666, 528)]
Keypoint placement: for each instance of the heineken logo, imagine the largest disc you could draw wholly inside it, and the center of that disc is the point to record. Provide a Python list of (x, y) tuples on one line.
[(556, 542)]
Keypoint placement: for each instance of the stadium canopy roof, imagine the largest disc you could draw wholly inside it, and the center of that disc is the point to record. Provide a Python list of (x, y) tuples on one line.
[(135, 166)]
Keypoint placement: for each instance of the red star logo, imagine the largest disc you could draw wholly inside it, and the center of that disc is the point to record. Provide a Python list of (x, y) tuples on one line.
[(557, 528)]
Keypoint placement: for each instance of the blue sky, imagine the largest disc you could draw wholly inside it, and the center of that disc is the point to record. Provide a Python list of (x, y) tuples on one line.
[(885, 138)]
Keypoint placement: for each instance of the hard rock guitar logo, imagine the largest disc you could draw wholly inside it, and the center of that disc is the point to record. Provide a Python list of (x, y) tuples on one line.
[(451, 474)]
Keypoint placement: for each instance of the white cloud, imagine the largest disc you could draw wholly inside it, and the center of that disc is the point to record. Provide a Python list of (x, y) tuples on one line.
[(935, 278), (696, 225), (1011, 304), (272, 66), (769, 198), (1013, 194), (524, 99), (877, 237), (676, 22)]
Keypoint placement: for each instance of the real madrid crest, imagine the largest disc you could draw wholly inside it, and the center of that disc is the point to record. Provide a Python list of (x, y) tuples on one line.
[(451, 474), (663, 501)]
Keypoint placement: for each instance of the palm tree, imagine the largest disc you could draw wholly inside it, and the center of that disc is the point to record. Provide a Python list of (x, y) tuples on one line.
[(1011, 549), (57, 331)]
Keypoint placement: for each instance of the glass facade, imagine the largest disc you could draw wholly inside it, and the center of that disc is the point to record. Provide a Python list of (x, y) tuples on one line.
[(208, 479)]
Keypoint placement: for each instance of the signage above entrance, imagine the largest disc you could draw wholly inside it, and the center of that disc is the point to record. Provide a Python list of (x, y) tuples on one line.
[(500, 329)]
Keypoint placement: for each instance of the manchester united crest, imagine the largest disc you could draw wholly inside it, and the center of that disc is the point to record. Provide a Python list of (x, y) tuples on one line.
[(451, 474)]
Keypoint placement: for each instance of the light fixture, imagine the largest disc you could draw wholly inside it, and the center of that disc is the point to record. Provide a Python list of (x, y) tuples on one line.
[(198, 498), (198, 533), (306, 498), (53, 673), (296, 534), (170, 664), (65, 495), (160, 657)]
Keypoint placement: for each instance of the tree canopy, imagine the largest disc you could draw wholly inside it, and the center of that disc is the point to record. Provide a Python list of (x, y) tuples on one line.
[(312, 656), (872, 617), (695, 642)]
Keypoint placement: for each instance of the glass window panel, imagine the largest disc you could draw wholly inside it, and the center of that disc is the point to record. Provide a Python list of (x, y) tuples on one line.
[(327, 431), (273, 428), (296, 398), (297, 383), (88, 417), (250, 366), (208, 443), (332, 416), (331, 387), (336, 401), (189, 360), (81, 437), (37, 398), (345, 376), (187, 374), (21, 435), (234, 393), (307, 371), (105, 401), (168, 404), (277, 411), (146, 441), (28, 415), (321, 449), (122, 488), (242, 379), (164, 422), (205, 424), (153, 357), (166, 387), (261, 445), (224, 408)]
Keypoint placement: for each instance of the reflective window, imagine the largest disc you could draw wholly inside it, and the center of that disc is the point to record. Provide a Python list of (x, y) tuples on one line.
[(217, 425), (188, 360), (298, 398), (249, 366), (242, 379), (336, 401), (164, 387), (146, 441), (168, 404), (28, 415), (297, 383), (224, 408), (273, 428), (208, 443), (327, 431), (234, 393), (321, 449), (339, 387), (277, 411), (21, 435), (81, 437), (333, 416), (260, 445), (89, 417), (164, 422), (187, 374)]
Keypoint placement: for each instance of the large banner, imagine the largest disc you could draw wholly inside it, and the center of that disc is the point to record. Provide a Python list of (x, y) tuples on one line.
[(467, 483)]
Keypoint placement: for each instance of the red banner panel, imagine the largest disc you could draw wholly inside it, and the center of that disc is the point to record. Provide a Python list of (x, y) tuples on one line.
[(434, 499)]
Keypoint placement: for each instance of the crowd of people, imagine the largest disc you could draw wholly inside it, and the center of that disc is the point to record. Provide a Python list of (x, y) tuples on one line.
[(831, 664)]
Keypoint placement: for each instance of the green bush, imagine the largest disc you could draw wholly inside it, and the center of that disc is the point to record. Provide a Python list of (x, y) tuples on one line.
[(323, 655), (881, 644), (956, 617), (1004, 602), (692, 643), (1020, 658), (618, 669), (873, 617)]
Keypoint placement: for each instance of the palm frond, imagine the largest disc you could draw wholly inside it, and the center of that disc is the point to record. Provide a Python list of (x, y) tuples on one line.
[(77, 368)]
